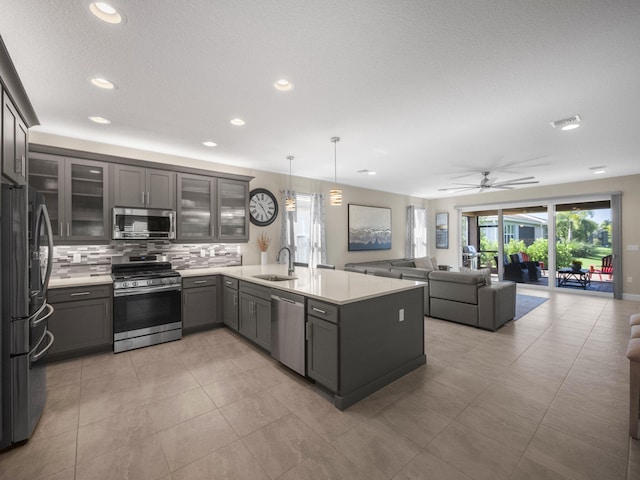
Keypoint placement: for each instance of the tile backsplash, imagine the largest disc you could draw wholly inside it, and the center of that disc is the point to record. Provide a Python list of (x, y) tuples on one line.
[(85, 260)]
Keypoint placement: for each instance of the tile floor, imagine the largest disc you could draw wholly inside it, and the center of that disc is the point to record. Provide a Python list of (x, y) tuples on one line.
[(545, 397)]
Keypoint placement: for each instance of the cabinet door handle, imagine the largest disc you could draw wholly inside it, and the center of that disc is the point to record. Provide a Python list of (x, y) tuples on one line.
[(68, 229), (148, 198), (79, 294), (198, 282), (142, 198), (235, 300), (228, 282), (308, 331), (23, 166), (61, 228), (324, 312)]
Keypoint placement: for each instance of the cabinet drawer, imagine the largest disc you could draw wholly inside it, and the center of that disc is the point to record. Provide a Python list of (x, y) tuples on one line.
[(322, 310), (192, 282), (230, 282), (256, 290), (57, 295)]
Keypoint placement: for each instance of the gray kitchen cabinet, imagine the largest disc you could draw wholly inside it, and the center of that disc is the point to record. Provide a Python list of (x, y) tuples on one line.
[(75, 194), (255, 314), (199, 302), (196, 212), (82, 320), (14, 143), (230, 297), (322, 344), (232, 210), (139, 187)]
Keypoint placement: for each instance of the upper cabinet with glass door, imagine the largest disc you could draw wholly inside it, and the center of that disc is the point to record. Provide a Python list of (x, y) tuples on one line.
[(196, 208), (75, 194), (233, 210)]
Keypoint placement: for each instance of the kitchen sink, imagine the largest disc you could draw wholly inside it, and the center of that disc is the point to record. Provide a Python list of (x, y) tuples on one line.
[(274, 278)]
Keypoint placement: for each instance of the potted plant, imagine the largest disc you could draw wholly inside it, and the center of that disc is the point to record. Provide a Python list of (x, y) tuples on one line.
[(576, 265)]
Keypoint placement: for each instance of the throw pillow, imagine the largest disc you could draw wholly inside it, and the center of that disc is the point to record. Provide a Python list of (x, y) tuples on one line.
[(486, 273), (434, 262), (423, 262)]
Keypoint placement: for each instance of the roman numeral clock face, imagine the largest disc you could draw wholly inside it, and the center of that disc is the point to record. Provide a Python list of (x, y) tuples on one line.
[(263, 207)]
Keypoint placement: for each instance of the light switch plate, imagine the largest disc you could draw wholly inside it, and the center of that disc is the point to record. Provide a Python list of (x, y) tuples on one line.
[(633, 248), (77, 258)]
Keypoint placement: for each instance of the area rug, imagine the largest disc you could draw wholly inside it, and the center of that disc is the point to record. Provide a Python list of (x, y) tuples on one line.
[(526, 303)]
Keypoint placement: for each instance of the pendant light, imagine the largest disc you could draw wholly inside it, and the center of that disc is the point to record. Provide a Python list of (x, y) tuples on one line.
[(335, 194), (290, 202)]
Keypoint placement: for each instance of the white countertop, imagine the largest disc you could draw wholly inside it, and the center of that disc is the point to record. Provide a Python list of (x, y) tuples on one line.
[(80, 281), (333, 286)]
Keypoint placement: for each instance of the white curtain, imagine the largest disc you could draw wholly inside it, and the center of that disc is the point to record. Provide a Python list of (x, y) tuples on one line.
[(318, 250), (416, 240), (287, 228)]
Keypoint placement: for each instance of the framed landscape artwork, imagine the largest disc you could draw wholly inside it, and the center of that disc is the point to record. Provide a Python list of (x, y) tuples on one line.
[(442, 230), (369, 228)]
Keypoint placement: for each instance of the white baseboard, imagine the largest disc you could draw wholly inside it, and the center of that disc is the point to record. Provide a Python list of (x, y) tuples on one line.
[(630, 296)]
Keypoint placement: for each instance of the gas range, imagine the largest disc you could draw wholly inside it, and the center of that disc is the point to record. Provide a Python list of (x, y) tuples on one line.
[(147, 301)]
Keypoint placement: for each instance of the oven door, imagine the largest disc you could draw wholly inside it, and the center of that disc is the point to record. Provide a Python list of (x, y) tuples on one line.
[(147, 310)]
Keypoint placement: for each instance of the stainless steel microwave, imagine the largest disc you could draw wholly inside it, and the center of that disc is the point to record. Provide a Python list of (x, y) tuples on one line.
[(143, 224)]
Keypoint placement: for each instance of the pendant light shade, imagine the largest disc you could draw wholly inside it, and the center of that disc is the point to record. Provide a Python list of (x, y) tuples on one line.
[(335, 194), (290, 202)]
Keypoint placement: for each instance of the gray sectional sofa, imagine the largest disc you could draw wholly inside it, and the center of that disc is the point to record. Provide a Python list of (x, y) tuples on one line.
[(462, 297)]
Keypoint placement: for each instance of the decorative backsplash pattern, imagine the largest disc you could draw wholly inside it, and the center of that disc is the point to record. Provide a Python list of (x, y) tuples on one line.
[(71, 261)]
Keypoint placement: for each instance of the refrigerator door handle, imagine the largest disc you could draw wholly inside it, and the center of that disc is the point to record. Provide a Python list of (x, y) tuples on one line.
[(34, 357), (47, 222), (44, 317)]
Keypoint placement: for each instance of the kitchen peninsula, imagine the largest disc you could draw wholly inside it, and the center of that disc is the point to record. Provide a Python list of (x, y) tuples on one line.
[(361, 332)]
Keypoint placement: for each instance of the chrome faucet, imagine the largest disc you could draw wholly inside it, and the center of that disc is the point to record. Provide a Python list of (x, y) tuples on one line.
[(291, 271)]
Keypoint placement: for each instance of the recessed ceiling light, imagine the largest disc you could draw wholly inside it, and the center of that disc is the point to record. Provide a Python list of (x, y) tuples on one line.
[(567, 123), (599, 170), (210, 144), (106, 12), (102, 83), (100, 120), (238, 122), (369, 172), (283, 85)]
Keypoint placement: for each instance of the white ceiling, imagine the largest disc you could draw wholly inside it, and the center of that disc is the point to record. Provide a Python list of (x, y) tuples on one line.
[(420, 91)]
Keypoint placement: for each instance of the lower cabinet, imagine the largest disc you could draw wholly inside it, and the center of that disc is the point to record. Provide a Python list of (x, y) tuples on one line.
[(82, 320), (230, 302), (199, 302), (255, 314), (322, 344)]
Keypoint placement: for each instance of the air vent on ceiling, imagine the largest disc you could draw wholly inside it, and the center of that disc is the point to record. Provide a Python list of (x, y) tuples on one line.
[(571, 122)]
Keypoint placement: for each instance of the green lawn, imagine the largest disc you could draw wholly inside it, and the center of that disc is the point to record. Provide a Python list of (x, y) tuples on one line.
[(595, 259)]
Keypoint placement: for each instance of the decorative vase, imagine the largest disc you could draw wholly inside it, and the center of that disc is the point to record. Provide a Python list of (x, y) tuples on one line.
[(263, 258), (576, 267)]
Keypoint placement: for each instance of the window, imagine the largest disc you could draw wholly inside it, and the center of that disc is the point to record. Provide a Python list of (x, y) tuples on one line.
[(509, 232), (416, 245), (302, 228)]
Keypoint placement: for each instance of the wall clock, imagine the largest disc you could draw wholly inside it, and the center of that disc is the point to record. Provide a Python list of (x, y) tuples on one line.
[(263, 207)]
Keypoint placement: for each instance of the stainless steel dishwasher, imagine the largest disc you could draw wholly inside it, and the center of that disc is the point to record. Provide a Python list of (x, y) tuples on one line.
[(287, 331)]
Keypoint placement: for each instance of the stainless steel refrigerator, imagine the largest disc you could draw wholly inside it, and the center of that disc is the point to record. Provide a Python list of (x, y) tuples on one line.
[(26, 248)]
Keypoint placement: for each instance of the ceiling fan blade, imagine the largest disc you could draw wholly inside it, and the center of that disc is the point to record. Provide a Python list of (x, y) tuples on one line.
[(515, 180), (501, 187), (517, 183)]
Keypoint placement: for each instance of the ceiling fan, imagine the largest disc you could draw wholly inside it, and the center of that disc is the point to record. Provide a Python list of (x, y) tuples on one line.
[(490, 183)]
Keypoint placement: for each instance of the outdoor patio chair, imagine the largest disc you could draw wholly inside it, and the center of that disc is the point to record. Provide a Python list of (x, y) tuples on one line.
[(606, 267)]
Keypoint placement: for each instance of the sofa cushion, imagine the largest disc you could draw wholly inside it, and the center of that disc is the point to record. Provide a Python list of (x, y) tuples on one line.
[(485, 272), (424, 262), (403, 263), (409, 273), (455, 286)]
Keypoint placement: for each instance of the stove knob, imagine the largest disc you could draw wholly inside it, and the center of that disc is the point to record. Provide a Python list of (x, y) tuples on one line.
[(125, 284), (134, 284)]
